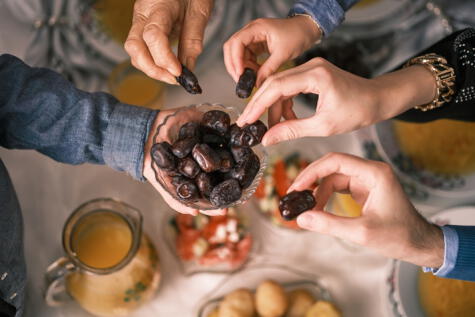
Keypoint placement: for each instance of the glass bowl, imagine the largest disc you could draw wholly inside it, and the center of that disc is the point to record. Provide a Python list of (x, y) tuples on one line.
[(168, 131), (193, 240), (251, 277)]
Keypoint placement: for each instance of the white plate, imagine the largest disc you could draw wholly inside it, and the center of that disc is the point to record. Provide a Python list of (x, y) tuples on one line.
[(403, 296)]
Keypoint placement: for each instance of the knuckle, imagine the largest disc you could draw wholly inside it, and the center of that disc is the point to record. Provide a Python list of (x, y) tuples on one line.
[(291, 133), (151, 34), (261, 22), (385, 170), (132, 46), (326, 127)]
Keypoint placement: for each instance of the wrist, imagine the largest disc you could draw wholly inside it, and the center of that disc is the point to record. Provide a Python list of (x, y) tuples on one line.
[(404, 89), (308, 26), (428, 247)]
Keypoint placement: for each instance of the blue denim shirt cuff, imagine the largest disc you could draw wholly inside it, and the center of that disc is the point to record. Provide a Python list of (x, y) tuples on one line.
[(125, 138), (327, 13), (451, 245)]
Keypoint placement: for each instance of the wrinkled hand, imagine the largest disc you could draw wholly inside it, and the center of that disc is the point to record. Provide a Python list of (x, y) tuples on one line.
[(389, 223), (155, 23), (282, 39), (346, 102), (150, 175)]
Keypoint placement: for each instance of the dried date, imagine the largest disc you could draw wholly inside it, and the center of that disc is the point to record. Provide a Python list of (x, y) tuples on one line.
[(241, 153), (226, 160), (225, 193), (216, 120), (246, 83), (188, 167), (206, 157), (295, 203), (183, 147), (190, 130), (257, 130), (189, 81), (246, 170), (186, 190), (163, 156), (205, 183)]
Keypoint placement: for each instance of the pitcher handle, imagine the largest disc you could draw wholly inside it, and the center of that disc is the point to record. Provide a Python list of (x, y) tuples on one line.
[(56, 293)]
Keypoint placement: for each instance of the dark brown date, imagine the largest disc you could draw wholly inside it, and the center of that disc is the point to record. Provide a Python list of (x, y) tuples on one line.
[(216, 120), (295, 203), (226, 160), (205, 183), (214, 140), (257, 129), (246, 83), (241, 153), (225, 193), (183, 147), (206, 157), (189, 81), (188, 167), (190, 130), (163, 156), (246, 170), (186, 190)]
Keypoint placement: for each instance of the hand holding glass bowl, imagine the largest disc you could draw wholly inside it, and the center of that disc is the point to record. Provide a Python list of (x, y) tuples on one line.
[(168, 131)]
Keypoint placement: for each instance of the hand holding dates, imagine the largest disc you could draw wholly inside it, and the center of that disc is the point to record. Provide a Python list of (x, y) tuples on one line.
[(295, 203)]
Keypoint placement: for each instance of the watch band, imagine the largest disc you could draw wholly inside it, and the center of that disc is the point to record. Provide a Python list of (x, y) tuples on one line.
[(444, 76)]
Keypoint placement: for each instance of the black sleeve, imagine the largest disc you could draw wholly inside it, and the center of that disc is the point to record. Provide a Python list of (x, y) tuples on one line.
[(459, 50), (6, 310)]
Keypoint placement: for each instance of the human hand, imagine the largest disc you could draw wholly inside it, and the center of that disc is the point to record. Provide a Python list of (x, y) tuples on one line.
[(155, 23), (389, 223), (149, 174), (283, 39), (346, 102)]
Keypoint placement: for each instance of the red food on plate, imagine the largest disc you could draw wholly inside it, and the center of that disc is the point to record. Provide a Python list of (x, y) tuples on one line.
[(212, 241)]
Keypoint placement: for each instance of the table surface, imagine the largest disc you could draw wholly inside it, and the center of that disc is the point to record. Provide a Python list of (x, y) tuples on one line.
[(48, 191)]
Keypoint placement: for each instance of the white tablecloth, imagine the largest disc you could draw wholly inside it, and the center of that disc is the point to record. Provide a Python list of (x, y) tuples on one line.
[(48, 191)]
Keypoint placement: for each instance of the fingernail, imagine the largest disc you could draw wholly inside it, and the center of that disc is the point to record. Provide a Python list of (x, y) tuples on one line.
[(305, 220)]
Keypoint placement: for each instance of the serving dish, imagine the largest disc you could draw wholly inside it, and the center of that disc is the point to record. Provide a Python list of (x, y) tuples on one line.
[(252, 276), (168, 130)]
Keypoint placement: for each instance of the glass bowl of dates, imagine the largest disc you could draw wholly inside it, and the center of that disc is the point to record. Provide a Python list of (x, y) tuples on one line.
[(218, 244), (203, 159), (278, 176), (269, 290)]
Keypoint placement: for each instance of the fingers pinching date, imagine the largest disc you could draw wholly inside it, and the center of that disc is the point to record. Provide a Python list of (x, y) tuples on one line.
[(295, 203), (205, 163), (189, 81), (246, 83)]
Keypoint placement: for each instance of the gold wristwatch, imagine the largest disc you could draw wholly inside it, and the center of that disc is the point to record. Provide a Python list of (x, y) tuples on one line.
[(444, 76)]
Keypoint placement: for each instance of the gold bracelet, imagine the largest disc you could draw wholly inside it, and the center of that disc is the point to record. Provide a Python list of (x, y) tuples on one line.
[(444, 77), (314, 22)]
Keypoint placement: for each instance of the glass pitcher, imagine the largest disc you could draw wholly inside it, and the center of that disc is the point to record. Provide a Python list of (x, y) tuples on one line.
[(111, 267)]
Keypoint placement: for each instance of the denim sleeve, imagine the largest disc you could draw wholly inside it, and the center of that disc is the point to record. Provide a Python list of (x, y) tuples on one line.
[(41, 110), (327, 13), (459, 254)]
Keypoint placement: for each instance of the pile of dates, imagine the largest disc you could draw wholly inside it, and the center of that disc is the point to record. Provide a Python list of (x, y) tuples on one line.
[(211, 159)]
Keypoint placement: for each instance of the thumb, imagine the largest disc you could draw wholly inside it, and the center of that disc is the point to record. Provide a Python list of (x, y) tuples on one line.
[(289, 130), (327, 223), (192, 32), (270, 66)]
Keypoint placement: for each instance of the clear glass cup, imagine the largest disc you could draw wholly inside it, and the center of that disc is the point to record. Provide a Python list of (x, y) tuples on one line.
[(111, 267), (168, 131)]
